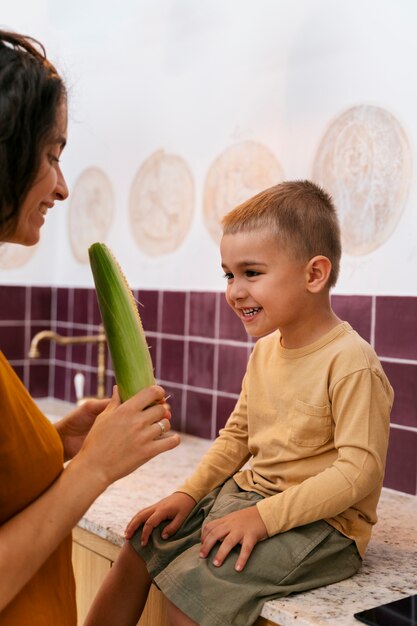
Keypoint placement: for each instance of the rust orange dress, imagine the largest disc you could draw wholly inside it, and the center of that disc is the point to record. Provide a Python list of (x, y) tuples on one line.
[(31, 458)]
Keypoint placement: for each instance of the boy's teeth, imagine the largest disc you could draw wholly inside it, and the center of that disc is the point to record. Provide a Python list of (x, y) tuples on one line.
[(250, 312)]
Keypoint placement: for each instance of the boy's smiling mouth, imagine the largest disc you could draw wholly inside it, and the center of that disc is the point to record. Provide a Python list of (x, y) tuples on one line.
[(250, 312)]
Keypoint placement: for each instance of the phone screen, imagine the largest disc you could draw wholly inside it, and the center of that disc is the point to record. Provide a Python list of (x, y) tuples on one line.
[(398, 613)]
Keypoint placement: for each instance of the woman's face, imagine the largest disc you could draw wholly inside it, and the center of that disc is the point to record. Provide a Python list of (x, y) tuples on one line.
[(49, 186)]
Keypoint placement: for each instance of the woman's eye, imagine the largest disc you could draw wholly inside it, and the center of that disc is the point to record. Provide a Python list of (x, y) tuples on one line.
[(53, 158)]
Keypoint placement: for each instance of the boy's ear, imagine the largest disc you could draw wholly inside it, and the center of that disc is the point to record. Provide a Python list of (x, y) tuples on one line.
[(318, 273)]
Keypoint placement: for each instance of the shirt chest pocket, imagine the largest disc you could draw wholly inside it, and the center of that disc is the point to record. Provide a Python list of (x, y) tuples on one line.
[(311, 425)]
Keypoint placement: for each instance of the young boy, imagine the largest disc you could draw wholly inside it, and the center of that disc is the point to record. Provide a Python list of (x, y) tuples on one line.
[(312, 418)]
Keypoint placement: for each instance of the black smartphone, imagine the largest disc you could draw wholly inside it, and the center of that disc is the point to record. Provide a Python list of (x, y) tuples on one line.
[(398, 613)]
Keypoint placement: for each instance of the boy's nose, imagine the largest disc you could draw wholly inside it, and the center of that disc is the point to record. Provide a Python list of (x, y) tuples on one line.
[(237, 291)]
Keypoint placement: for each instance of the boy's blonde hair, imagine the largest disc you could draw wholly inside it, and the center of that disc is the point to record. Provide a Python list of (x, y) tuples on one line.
[(300, 214)]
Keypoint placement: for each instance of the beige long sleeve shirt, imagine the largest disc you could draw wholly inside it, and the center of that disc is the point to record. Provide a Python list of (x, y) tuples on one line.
[(314, 423)]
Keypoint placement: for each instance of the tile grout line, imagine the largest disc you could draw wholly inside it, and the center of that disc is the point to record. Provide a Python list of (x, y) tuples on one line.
[(27, 338), (53, 325), (373, 321), (159, 318), (68, 350), (213, 432), (186, 362), (411, 429)]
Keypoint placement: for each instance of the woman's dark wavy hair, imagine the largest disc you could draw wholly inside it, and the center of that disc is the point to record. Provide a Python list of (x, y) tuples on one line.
[(31, 92)]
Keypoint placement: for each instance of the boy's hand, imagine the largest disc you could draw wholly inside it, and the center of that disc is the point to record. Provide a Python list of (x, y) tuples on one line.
[(245, 527), (175, 507)]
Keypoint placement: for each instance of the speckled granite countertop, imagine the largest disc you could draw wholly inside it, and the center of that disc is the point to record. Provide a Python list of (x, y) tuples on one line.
[(389, 571)]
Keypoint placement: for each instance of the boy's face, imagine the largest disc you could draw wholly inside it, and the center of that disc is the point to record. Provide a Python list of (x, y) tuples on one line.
[(266, 287)]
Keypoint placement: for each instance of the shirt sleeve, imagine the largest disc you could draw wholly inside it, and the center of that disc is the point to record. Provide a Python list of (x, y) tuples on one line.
[(361, 404), (225, 457)]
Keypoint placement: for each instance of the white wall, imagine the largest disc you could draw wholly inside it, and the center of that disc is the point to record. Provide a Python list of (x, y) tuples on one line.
[(193, 78)]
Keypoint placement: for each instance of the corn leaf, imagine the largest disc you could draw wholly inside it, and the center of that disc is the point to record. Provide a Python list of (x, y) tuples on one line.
[(129, 351)]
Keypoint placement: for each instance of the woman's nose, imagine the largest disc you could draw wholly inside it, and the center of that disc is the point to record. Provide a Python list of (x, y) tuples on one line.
[(61, 189)]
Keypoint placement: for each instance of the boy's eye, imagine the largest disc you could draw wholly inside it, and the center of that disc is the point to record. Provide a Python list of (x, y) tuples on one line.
[(228, 275), (251, 273)]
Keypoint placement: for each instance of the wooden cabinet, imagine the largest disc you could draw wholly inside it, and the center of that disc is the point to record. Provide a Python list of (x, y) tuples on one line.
[(92, 559), (90, 569)]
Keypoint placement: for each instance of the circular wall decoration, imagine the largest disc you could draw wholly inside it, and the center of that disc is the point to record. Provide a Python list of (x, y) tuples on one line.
[(239, 173), (90, 211), (161, 203), (13, 256), (364, 162)]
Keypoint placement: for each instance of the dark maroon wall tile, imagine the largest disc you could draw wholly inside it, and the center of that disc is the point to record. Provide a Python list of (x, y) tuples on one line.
[(39, 380), (202, 314), (148, 308), (173, 312), (230, 325), (357, 311), (62, 307), (40, 306), (200, 364), (401, 469), (12, 342), (12, 303), (59, 382), (19, 369), (81, 306), (403, 378), (79, 353), (231, 368), (198, 414), (172, 360), (395, 327), (175, 403), (224, 409)]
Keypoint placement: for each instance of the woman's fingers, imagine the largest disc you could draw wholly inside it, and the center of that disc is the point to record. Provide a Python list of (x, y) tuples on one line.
[(145, 398), (125, 436), (161, 427)]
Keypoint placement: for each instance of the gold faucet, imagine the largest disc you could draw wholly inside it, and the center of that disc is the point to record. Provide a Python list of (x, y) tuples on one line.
[(99, 339)]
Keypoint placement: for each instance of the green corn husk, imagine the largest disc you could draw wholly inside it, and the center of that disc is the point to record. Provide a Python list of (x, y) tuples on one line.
[(129, 351)]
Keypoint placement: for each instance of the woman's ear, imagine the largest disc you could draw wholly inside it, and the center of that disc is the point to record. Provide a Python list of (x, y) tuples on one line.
[(318, 268)]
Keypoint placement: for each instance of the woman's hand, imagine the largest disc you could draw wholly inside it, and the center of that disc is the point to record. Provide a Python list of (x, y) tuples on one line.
[(125, 436), (120, 439), (245, 527), (175, 507), (75, 426)]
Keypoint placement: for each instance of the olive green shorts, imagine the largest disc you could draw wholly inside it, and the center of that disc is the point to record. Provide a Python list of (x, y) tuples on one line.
[(299, 559)]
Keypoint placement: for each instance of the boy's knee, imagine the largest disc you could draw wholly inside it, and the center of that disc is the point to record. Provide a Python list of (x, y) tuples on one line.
[(130, 561)]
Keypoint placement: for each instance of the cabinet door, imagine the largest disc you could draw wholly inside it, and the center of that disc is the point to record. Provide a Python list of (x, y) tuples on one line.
[(89, 570), (155, 610)]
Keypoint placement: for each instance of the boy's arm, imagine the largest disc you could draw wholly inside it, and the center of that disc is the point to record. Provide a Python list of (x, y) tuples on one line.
[(361, 404), (225, 457)]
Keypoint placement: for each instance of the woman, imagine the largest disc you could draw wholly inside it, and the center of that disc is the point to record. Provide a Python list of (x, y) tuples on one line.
[(40, 502)]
